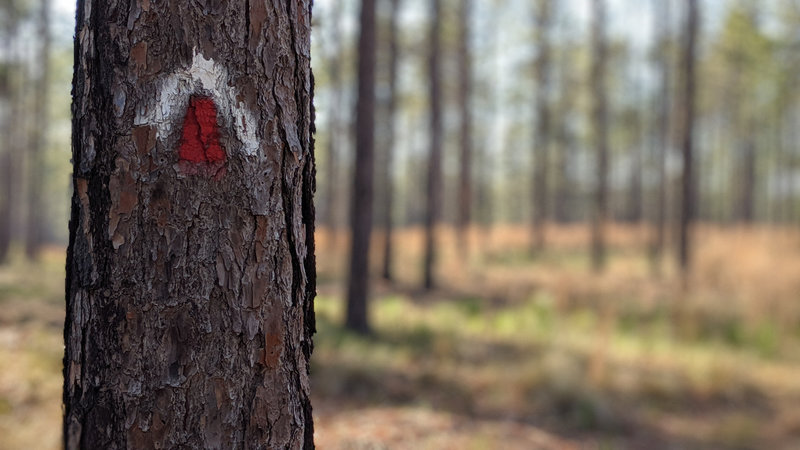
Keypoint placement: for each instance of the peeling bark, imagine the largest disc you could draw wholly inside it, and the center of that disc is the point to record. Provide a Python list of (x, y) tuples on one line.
[(190, 291)]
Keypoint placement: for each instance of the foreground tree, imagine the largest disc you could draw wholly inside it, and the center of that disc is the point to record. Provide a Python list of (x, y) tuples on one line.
[(361, 220), (600, 123), (434, 185), (190, 268)]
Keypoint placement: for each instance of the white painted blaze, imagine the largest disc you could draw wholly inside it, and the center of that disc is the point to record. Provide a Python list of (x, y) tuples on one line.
[(206, 77)]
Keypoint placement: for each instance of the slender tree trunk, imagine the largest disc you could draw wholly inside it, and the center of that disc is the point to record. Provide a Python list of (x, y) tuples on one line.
[(600, 120), (13, 141), (563, 191), (747, 180), (662, 19), (335, 109), (6, 160), (388, 192), (434, 185), (688, 194), (190, 268), (361, 221), (465, 95), (542, 138), (36, 217)]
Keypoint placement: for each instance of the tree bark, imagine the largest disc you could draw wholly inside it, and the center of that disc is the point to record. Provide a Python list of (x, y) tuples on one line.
[(542, 138), (687, 194), (361, 220), (190, 267), (434, 185), (600, 121), (38, 142), (388, 180), (464, 97)]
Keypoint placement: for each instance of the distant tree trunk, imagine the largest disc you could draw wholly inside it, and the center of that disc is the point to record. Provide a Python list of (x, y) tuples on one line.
[(190, 267), (635, 186), (688, 195), (464, 96), (600, 120), (12, 141), (747, 180), (566, 103), (662, 19), (36, 218), (434, 185), (388, 192), (335, 123), (6, 160), (542, 138), (361, 221)]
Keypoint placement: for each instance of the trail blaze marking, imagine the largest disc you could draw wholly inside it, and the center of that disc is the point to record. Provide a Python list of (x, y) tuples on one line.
[(200, 142)]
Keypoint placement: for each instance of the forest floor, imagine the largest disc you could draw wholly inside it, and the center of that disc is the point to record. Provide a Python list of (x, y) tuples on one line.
[(512, 351)]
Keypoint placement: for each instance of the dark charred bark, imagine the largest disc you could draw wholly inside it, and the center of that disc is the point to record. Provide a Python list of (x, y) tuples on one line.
[(434, 185), (464, 97), (361, 221), (687, 191), (542, 139), (664, 107), (389, 149), (190, 267), (600, 122), (35, 226)]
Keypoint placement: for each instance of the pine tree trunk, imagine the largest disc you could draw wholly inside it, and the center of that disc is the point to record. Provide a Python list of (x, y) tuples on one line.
[(329, 216), (600, 119), (688, 195), (361, 221), (434, 185), (542, 138), (464, 96), (36, 218), (662, 19), (391, 144), (190, 268), (6, 170)]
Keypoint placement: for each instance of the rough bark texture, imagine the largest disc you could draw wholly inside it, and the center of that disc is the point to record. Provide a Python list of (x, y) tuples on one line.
[(542, 139), (35, 225), (391, 108), (687, 194), (600, 122), (361, 220), (190, 285), (464, 96), (434, 185)]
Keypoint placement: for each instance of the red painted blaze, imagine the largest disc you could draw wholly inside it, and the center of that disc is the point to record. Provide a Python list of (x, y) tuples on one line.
[(200, 142)]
